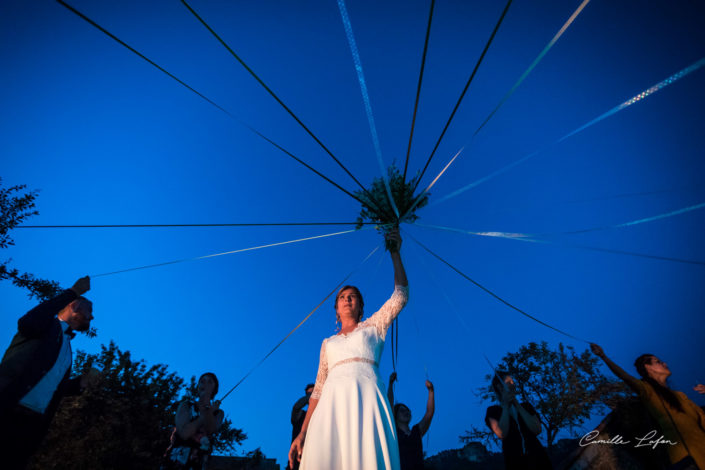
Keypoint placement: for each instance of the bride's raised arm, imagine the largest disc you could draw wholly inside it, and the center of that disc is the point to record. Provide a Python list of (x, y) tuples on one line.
[(399, 272), (391, 308)]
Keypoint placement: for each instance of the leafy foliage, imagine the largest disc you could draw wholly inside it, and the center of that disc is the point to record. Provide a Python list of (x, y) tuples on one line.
[(16, 205), (14, 209), (480, 434), (376, 205), (565, 387), (123, 421)]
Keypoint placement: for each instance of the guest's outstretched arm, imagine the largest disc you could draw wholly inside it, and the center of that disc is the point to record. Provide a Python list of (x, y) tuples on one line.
[(633, 382), (425, 422), (37, 321)]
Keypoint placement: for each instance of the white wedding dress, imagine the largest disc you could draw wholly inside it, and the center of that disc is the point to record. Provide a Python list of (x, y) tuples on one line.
[(352, 427)]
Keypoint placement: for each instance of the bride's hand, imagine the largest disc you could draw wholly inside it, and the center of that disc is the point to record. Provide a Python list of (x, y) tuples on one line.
[(393, 240), (296, 448)]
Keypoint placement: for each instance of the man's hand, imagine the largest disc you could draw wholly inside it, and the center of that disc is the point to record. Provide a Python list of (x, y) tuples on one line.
[(392, 378), (82, 285), (429, 385), (597, 350)]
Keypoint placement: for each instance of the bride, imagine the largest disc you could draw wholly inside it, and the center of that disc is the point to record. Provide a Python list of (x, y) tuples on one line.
[(349, 424)]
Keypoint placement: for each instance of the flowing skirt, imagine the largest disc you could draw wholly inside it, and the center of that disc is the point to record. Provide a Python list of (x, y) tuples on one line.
[(352, 426)]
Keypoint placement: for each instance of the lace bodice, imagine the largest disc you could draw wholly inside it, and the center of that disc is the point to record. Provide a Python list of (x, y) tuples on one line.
[(364, 343)]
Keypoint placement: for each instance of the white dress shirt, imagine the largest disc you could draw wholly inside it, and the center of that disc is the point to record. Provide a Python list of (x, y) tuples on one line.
[(38, 398)]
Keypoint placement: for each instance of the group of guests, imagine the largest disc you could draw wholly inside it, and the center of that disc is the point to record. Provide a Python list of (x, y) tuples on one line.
[(681, 422), (350, 424), (35, 374)]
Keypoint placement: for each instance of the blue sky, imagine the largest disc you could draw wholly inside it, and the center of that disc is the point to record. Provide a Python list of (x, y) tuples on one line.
[(108, 139)]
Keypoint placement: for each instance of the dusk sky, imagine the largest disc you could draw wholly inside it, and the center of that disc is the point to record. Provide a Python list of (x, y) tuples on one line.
[(108, 139)]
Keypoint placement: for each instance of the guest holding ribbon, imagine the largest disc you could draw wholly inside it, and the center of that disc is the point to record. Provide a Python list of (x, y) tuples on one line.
[(681, 421), (36, 369), (517, 425), (196, 422)]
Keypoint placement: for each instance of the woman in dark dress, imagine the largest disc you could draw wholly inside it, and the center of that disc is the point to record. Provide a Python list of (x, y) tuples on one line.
[(195, 424), (517, 425)]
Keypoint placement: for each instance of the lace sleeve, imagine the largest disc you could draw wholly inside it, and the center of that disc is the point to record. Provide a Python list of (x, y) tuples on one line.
[(322, 373), (389, 311)]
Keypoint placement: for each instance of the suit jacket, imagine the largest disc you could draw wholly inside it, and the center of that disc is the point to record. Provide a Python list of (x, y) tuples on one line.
[(32, 352)]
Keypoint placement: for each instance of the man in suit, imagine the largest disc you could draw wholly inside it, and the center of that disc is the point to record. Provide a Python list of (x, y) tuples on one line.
[(35, 371)]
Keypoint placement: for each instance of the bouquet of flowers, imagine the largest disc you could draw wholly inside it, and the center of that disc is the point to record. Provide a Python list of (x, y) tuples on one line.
[(377, 208)]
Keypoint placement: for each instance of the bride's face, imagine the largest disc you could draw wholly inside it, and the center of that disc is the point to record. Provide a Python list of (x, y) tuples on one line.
[(348, 304)]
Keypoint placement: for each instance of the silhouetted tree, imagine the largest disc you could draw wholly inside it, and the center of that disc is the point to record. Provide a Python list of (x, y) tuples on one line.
[(16, 205)]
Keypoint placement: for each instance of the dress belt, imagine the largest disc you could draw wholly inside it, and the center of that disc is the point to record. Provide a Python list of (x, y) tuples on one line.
[(355, 359)]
